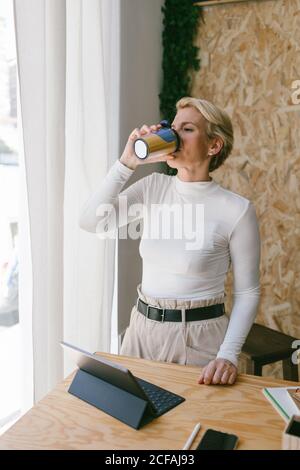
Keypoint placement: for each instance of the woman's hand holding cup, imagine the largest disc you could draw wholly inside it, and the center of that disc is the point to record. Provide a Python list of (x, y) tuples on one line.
[(129, 157)]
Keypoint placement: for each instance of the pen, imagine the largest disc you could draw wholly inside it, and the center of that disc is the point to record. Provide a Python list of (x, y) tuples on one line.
[(191, 438)]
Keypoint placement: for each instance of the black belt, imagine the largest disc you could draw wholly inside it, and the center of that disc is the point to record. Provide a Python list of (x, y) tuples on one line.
[(193, 314)]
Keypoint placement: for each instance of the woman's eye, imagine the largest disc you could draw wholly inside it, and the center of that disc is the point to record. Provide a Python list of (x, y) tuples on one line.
[(187, 129)]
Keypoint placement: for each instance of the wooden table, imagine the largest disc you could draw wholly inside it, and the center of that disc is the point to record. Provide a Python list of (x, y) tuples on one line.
[(62, 421)]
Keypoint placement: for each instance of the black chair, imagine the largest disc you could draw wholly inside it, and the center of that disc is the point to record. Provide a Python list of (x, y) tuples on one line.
[(265, 346)]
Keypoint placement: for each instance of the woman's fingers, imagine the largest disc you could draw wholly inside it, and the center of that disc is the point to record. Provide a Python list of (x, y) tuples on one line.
[(201, 376), (225, 377), (135, 134), (145, 129), (218, 374), (210, 372), (155, 127), (223, 367), (232, 378), (218, 371), (138, 132)]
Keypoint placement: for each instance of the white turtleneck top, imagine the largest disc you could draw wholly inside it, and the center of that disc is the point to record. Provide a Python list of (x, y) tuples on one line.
[(180, 263)]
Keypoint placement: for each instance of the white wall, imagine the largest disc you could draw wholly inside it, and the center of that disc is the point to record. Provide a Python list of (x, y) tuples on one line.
[(140, 82)]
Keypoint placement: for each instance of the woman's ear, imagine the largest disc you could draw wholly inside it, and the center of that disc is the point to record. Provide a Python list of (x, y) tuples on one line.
[(215, 146)]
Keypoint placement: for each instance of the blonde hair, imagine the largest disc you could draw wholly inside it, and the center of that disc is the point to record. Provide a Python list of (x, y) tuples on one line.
[(218, 124)]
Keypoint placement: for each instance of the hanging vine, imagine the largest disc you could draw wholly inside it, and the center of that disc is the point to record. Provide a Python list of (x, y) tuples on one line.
[(180, 56), (181, 20)]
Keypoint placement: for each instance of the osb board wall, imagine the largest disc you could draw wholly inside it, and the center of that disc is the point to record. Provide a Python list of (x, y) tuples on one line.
[(250, 55)]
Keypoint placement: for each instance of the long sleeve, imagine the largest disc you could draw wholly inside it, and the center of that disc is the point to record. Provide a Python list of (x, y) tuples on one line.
[(245, 257), (102, 212)]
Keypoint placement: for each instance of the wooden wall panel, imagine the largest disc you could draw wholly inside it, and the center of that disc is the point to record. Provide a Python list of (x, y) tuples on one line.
[(250, 55)]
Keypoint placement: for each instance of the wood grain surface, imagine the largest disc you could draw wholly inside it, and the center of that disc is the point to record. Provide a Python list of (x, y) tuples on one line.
[(62, 421)]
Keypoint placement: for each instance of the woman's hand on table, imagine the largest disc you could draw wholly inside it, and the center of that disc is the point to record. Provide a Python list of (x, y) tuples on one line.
[(218, 371)]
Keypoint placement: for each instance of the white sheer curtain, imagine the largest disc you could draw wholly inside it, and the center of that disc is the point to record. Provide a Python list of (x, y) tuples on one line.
[(67, 284), (91, 148)]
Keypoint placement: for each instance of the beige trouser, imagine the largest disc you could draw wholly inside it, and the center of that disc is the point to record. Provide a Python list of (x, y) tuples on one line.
[(193, 343)]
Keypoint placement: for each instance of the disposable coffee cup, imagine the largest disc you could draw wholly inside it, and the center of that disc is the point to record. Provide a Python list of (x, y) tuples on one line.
[(162, 142)]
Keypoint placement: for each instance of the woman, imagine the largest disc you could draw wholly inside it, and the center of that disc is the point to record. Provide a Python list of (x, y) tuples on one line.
[(179, 314)]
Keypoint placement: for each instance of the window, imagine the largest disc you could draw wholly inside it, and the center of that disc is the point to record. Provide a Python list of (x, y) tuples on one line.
[(9, 197)]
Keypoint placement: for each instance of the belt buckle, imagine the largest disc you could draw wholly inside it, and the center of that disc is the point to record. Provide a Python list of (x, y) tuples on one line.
[(158, 308), (148, 306)]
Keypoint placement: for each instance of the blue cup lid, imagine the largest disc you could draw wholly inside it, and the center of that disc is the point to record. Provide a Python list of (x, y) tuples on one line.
[(165, 123)]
